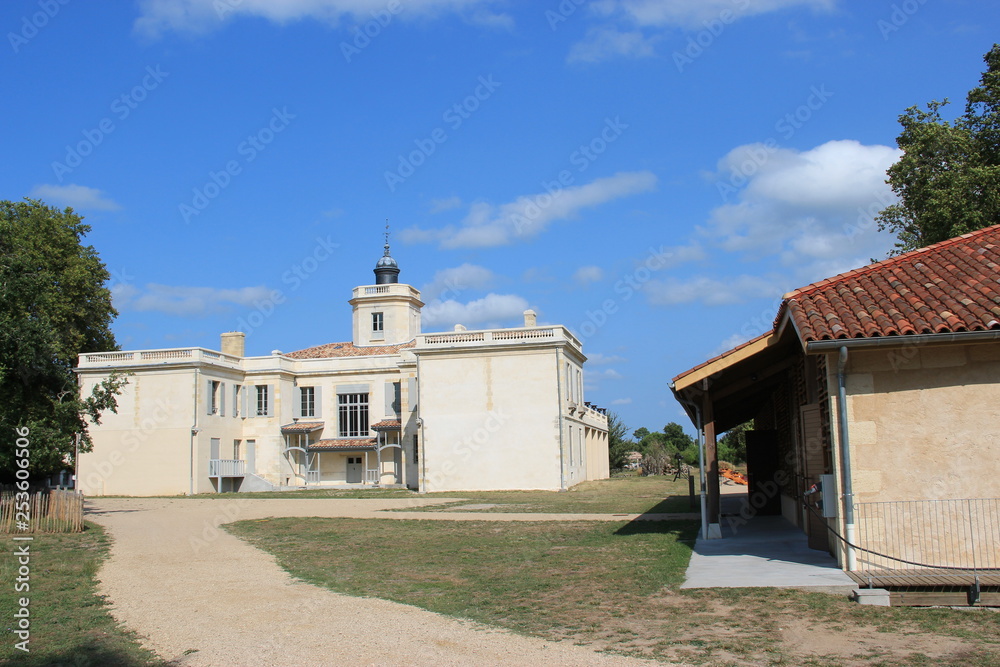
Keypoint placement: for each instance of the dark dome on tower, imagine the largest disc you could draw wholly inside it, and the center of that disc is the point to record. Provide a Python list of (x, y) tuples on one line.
[(386, 269)]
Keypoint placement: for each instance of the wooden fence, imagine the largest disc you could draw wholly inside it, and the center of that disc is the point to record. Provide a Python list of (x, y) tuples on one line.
[(46, 511)]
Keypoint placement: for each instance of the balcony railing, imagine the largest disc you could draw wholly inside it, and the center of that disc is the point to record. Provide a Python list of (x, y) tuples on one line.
[(227, 468), (497, 336), (145, 357), (312, 476)]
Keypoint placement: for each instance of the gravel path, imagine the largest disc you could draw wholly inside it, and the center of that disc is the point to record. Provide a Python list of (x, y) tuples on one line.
[(200, 596)]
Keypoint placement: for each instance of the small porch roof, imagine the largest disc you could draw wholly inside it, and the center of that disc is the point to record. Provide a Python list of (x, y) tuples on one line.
[(739, 380), (302, 427), (343, 445), (386, 425)]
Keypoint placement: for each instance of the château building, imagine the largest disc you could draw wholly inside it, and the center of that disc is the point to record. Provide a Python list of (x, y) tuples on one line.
[(462, 410)]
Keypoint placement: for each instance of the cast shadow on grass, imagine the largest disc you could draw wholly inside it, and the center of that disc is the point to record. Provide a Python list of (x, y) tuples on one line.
[(87, 654), (674, 505), (684, 529)]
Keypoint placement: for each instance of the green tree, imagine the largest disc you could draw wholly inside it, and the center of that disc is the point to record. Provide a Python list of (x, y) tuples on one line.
[(618, 443), (948, 178), (676, 437), (53, 306), (732, 446), (640, 433)]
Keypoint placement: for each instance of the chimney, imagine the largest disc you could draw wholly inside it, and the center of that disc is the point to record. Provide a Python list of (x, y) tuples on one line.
[(529, 318), (233, 343)]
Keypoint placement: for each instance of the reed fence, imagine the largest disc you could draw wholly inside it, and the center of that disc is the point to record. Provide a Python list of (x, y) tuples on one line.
[(41, 511)]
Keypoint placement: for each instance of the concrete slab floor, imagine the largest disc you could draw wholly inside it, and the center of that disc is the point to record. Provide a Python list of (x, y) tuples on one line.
[(763, 551)]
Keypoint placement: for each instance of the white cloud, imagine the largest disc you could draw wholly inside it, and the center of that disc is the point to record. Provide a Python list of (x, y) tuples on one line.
[(186, 301), (198, 16), (489, 225), (492, 309), (729, 343), (713, 291), (693, 14), (804, 207), (621, 401), (77, 196), (598, 359), (631, 28), (801, 215), (606, 42), (438, 205), (489, 19), (452, 282), (588, 274)]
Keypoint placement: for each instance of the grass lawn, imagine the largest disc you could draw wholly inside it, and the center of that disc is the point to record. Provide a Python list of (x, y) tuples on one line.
[(70, 623), (619, 495), (613, 586)]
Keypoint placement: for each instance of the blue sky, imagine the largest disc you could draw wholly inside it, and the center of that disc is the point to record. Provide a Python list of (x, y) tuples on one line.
[(653, 175)]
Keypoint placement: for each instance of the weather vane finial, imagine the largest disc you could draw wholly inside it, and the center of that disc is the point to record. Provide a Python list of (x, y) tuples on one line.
[(387, 237)]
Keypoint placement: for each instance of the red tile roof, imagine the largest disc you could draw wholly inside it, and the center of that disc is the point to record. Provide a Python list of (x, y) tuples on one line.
[(347, 349), (301, 427), (342, 444), (947, 287), (386, 424)]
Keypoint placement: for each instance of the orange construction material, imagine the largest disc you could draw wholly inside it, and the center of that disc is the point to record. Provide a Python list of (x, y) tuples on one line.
[(735, 476)]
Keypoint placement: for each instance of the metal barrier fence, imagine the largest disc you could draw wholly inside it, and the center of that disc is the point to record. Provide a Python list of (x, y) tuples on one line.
[(962, 534), (47, 511)]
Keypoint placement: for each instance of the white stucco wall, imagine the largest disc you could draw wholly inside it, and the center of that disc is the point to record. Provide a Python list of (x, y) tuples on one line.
[(490, 420)]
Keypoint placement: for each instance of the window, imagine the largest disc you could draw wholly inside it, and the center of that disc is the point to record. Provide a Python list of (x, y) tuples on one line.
[(215, 397), (353, 413), (378, 322), (307, 398), (263, 402), (237, 396), (416, 449), (236, 449)]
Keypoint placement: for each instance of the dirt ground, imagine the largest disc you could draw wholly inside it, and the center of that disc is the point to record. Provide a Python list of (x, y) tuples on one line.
[(200, 596)]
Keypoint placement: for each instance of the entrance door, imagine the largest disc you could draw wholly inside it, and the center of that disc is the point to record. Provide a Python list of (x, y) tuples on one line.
[(762, 464), (814, 465), (353, 469)]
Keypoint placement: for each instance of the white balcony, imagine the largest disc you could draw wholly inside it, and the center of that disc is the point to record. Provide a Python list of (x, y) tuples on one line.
[(227, 468)]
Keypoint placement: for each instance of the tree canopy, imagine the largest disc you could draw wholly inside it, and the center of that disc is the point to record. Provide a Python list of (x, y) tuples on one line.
[(618, 443), (732, 446), (53, 306), (948, 178)]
